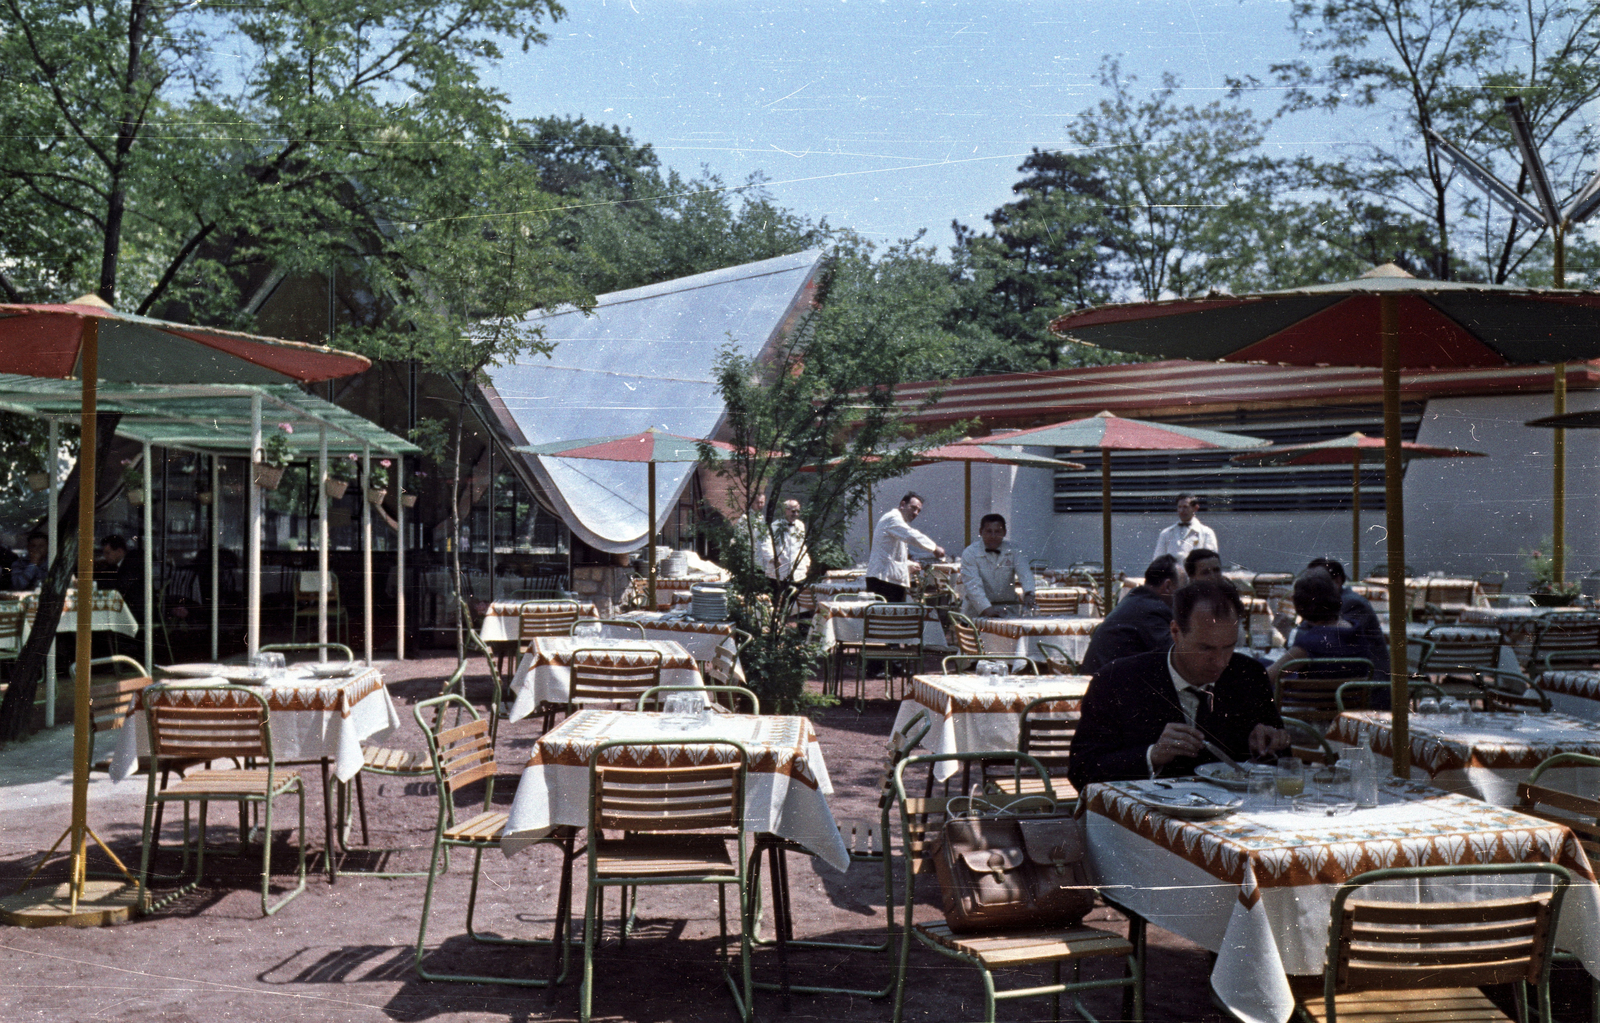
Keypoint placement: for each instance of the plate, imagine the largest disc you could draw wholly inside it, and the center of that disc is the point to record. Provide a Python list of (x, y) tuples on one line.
[(245, 676), (1189, 803), (1218, 773), (1322, 805), (193, 670), (333, 669)]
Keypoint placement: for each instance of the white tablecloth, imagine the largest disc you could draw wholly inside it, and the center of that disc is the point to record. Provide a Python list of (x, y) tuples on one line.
[(108, 613), (544, 675), (701, 639), (1256, 887), (786, 788), (839, 621), (1485, 759), (1020, 637), (502, 623), (1576, 693), (311, 718), (1422, 630), (971, 716)]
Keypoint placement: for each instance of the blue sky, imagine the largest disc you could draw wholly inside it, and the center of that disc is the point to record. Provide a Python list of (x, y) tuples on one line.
[(887, 116)]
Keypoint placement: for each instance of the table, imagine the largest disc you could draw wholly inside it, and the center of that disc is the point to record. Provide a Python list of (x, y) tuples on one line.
[(1576, 693), (1259, 884), (1517, 625), (700, 638), (502, 623), (971, 716), (669, 590), (544, 675), (1485, 759), (108, 613), (840, 621), (312, 718), (1019, 637), (786, 787)]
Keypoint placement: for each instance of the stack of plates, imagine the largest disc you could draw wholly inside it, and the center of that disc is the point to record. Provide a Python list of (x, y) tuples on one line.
[(708, 603), (674, 565)]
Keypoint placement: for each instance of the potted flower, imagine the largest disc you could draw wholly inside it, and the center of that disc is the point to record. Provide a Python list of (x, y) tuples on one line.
[(378, 481), (1544, 591), (275, 455), (341, 473), (133, 481), (407, 498)]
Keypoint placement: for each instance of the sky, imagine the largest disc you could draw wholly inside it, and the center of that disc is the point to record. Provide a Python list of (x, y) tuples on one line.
[(888, 116)]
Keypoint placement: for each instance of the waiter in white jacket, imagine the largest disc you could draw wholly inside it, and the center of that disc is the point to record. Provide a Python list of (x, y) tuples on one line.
[(991, 572), (888, 567)]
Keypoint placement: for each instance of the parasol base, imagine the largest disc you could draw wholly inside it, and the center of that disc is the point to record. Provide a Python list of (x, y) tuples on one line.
[(103, 903)]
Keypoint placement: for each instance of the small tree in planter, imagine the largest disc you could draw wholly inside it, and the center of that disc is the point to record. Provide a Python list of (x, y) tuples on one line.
[(275, 457), (341, 473)]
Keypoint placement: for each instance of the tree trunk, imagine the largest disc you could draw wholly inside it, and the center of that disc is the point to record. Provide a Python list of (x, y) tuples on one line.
[(455, 524), (16, 711)]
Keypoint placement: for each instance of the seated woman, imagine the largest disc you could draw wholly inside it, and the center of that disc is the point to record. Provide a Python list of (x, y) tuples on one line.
[(1322, 633)]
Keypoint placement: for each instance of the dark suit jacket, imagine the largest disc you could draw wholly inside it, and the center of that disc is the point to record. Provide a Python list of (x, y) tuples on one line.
[(1355, 609), (1132, 701), (1139, 623)]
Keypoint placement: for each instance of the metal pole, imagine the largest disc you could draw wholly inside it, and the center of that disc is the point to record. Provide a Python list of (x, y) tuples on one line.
[(1558, 500), (400, 562), (492, 594), (1355, 515), (1105, 526), (650, 540), (52, 529), (149, 563), (90, 357), (322, 541), (366, 553), (216, 549), (967, 465), (1394, 492), (252, 639)]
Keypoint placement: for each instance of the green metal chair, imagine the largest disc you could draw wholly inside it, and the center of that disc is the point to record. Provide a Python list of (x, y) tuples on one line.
[(964, 664), (658, 809), (1307, 687), (920, 819), (1578, 813), (1346, 695), (891, 635), (462, 756), (648, 700), (1058, 662), (219, 721), (1425, 961)]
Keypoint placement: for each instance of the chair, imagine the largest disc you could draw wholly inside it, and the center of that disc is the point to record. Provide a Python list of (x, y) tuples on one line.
[(1307, 687), (112, 698), (224, 721), (1358, 695), (1046, 735), (963, 664), (545, 618), (650, 700), (305, 606), (625, 624), (1565, 641), (891, 635), (722, 669), (968, 641), (1425, 961), (919, 820), (609, 678), (461, 756), (1056, 602), (845, 649), (1057, 661), (1577, 813), (657, 809), (11, 634), (867, 841), (1307, 742)]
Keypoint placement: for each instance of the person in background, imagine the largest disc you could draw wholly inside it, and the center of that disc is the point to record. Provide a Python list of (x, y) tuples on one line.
[(1357, 610), (1141, 622), (1322, 632), (28, 573), (1152, 714), (991, 571), (123, 571), (888, 566), (754, 520), (788, 542), (1202, 563), (1188, 533)]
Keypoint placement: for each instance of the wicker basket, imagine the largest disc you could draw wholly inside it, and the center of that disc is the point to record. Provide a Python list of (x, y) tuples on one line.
[(375, 495), (268, 477), (335, 488)]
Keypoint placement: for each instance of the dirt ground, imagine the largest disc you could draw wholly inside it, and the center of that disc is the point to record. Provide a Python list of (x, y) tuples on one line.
[(344, 951)]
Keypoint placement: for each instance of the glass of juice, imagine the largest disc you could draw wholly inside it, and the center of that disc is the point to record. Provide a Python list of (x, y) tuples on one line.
[(1291, 777)]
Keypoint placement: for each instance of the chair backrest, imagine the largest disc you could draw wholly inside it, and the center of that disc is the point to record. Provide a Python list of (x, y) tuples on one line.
[(1580, 814), (651, 699), (1056, 602), (546, 618), (332, 648), (1569, 634), (724, 659), (967, 640), (1379, 944), (613, 676), (11, 626), (1057, 661), (921, 818), (893, 623), (1459, 653), (1452, 591), (706, 793), (1307, 742), (1307, 688), (112, 698), (1268, 585), (965, 664), (305, 589), (1492, 583), (462, 754), (215, 722), (1358, 695), (1047, 734)]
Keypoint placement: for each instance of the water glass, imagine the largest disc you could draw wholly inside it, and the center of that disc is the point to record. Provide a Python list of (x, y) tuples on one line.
[(272, 660), (1262, 784), (586, 630), (1363, 764), (1427, 705), (680, 710), (1337, 781), (1290, 778)]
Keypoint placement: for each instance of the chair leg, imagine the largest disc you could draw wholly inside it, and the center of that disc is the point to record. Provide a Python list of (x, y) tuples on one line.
[(586, 989)]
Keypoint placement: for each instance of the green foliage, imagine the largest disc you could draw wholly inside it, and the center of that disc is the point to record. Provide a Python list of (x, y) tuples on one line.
[(814, 419), (277, 450), (1543, 569)]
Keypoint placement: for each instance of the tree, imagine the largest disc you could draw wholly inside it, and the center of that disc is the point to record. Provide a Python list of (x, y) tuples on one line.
[(817, 420), (1447, 65)]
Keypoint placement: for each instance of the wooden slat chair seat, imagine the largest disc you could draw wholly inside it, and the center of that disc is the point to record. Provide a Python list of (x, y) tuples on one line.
[(867, 841), (663, 814), (1307, 688), (1566, 641), (461, 756), (1424, 962), (1057, 661), (224, 722), (1046, 735), (891, 635), (922, 819)]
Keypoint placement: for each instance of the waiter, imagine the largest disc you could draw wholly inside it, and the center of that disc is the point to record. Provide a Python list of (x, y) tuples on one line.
[(888, 567)]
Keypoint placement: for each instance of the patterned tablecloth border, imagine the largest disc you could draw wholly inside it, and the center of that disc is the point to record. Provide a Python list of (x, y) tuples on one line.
[(338, 695), (1016, 628), (927, 691), (1435, 754)]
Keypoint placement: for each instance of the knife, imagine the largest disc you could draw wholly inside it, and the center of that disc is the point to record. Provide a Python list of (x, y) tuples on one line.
[(1220, 754)]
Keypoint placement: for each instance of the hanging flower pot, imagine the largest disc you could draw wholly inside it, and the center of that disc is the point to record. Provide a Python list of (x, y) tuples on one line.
[(375, 495), (136, 496), (268, 477), (335, 488), (38, 481), (408, 500), (204, 497)]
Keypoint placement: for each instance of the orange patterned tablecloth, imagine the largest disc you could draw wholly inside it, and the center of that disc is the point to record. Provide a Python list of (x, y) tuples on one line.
[(544, 675), (502, 623), (1019, 637), (972, 716)]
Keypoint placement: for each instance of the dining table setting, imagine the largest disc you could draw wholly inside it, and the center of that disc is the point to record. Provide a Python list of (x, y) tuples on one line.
[(544, 673), (974, 713), (1020, 636)]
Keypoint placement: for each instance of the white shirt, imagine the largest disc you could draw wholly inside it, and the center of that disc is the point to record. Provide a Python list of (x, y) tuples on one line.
[(1188, 700), (889, 539), (988, 577), (755, 530), (1179, 539), (788, 541)]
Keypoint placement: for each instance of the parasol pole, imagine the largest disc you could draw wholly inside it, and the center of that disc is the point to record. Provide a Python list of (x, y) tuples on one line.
[(1105, 526), (322, 541), (650, 539), (52, 530), (148, 555), (400, 559), (1558, 499), (1393, 469), (253, 537), (1355, 514), (216, 545), (968, 541), (366, 555), (90, 356)]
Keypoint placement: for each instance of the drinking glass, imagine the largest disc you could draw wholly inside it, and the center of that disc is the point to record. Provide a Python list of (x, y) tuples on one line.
[(1363, 774), (1290, 777), (1427, 705), (586, 630), (679, 711), (272, 660), (1262, 784)]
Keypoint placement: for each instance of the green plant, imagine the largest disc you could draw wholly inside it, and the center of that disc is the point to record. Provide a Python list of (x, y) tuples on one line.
[(1542, 567), (277, 451), (378, 475), (132, 474), (347, 468)]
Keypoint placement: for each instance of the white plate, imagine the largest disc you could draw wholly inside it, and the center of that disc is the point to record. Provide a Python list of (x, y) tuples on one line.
[(244, 675), (333, 669), (1218, 773), (1189, 803), (193, 670)]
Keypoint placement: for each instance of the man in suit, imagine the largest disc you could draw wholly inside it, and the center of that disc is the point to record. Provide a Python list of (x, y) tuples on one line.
[(1141, 622), (1150, 714)]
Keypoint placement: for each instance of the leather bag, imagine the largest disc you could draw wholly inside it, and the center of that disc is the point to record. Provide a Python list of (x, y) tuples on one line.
[(1007, 870)]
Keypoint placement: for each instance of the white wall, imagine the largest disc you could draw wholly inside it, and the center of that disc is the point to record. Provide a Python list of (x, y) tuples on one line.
[(1462, 515)]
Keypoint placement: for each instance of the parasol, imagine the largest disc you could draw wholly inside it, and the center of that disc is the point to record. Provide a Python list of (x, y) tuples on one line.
[(1106, 432), (1356, 449), (649, 447), (89, 340), (1383, 318)]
